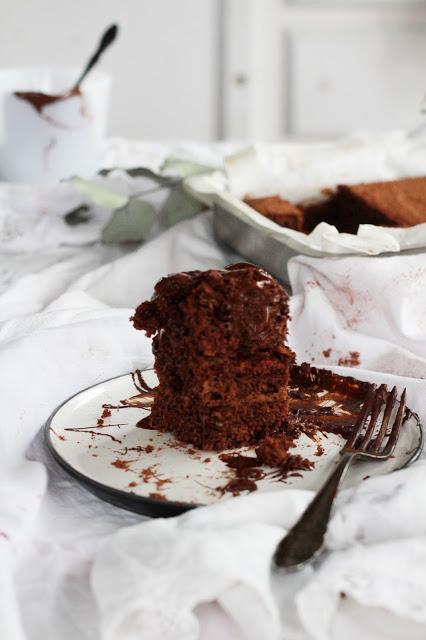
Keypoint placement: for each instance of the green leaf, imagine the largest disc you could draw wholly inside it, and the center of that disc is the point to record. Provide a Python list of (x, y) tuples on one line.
[(138, 172), (131, 223), (183, 168), (99, 194), (79, 215), (179, 205)]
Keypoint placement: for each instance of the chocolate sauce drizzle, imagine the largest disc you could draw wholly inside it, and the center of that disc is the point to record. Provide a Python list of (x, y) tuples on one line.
[(95, 433), (140, 383)]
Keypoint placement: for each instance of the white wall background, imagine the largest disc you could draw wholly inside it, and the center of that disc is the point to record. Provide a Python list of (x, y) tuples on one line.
[(320, 68), (242, 69), (164, 64)]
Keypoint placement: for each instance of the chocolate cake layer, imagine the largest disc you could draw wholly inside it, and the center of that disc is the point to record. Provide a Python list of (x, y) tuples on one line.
[(218, 381), (214, 388), (218, 428), (241, 309)]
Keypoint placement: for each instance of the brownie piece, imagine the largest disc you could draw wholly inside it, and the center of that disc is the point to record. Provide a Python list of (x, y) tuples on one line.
[(220, 356), (278, 210), (395, 203)]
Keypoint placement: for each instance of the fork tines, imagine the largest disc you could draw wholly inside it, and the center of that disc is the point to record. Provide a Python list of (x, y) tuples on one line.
[(368, 441)]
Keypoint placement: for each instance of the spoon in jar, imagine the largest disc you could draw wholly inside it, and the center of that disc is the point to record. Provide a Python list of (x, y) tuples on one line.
[(106, 40), (39, 100)]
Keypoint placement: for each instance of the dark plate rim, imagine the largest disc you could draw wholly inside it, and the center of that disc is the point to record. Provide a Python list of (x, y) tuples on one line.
[(150, 506)]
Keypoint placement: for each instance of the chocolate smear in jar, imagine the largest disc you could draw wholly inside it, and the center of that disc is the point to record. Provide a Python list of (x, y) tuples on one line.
[(39, 100)]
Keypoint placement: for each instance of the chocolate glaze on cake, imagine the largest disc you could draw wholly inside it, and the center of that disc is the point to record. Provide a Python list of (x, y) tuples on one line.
[(219, 355), (240, 309)]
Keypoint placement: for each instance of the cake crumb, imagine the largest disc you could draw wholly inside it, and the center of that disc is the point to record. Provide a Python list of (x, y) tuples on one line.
[(351, 360), (272, 452), (319, 450), (237, 485), (119, 463)]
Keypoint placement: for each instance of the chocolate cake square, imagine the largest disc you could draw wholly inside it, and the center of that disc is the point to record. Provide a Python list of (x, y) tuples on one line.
[(278, 210), (395, 203)]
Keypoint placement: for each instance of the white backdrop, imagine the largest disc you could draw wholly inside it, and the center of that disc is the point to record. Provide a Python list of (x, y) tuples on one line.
[(240, 69), (163, 65)]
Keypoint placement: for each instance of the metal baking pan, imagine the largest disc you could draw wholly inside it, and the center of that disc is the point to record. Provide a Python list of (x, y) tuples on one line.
[(305, 170), (251, 243), (263, 249)]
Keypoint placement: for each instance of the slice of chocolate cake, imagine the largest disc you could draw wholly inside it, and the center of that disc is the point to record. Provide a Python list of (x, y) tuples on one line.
[(278, 210), (219, 355)]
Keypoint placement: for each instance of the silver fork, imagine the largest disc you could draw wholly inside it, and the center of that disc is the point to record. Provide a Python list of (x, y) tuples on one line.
[(305, 540)]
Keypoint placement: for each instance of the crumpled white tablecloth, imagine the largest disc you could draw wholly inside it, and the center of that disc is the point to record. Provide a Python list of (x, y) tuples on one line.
[(72, 567)]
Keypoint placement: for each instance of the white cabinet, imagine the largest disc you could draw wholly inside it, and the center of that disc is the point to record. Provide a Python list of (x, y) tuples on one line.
[(313, 68)]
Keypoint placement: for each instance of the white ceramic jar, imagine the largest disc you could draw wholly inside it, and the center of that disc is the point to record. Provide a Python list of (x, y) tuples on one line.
[(44, 143)]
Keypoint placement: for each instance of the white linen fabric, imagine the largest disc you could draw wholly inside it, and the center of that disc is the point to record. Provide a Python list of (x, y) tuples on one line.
[(376, 540), (73, 567)]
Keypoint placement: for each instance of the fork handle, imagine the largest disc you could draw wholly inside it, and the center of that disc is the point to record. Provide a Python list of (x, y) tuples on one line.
[(306, 538)]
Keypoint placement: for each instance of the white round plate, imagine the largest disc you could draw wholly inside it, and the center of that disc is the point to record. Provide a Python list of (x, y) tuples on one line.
[(150, 472)]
